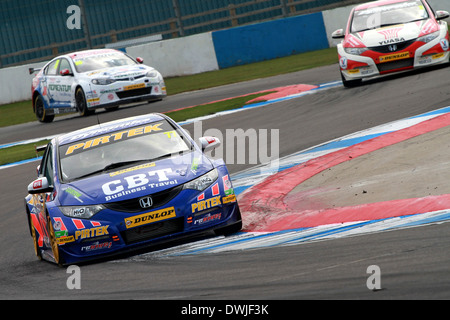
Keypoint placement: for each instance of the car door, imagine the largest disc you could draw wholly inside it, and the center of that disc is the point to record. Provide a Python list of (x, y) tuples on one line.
[(59, 85)]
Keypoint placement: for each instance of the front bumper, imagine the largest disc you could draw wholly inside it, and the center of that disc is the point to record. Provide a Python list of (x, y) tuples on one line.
[(372, 64), (124, 92)]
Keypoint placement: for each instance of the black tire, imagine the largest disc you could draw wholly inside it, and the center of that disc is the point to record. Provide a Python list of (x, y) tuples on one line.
[(39, 110), (81, 104)]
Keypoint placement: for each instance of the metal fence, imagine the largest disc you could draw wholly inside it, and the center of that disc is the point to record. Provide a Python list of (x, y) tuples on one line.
[(39, 30)]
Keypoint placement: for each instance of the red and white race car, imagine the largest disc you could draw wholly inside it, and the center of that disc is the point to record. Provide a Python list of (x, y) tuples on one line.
[(389, 36)]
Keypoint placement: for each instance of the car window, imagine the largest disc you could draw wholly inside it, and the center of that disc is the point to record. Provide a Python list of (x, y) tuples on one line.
[(52, 68), (387, 15), (65, 65), (102, 61), (145, 143), (46, 168)]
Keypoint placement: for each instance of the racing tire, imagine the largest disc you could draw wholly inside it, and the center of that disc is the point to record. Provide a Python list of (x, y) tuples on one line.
[(81, 104), (39, 110), (54, 243), (350, 83), (35, 240)]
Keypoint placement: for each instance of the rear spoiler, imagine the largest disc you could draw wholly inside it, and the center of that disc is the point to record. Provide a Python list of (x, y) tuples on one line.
[(33, 70)]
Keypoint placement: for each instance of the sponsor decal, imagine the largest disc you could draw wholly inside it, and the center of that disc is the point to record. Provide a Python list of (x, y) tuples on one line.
[(91, 232), (64, 239), (208, 218), (134, 86), (150, 217), (116, 136), (444, 44), (393, 57), (97, 246), (136, 183), (59, 87), (143, 166), (228, 199), (205, 204)]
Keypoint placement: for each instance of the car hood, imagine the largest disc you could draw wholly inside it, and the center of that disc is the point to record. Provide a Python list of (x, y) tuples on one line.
[(393, 34), (132, 182), (119, 72)]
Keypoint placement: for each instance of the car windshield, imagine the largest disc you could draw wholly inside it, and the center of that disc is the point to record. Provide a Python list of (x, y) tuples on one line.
[(138, 146), (107, 59), (387, 15)]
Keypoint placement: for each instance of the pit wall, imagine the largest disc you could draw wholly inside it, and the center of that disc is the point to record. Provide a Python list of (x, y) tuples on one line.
[(218, 49)]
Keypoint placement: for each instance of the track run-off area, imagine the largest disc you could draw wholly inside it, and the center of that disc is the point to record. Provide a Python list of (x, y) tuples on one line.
[(354, 164)]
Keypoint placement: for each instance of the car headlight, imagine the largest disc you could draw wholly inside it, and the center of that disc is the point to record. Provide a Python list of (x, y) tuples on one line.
[(103, 81), (82, 212), (203, 182), (355, 51), (429, 37), (152, 74)]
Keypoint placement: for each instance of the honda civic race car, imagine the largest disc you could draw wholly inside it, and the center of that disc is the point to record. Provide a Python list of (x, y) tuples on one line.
[(87, 80), (389, 36), (124, 185)]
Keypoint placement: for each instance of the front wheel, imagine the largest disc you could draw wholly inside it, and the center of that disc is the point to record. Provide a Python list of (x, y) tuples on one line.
[(39, 110), (35, 239), (54, 243), (81, 104)]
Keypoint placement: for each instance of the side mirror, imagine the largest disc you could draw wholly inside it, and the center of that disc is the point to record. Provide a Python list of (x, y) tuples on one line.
[(65, 72), (441, 14), (140, 60), (39, 185), (209, 143), (338, 34)]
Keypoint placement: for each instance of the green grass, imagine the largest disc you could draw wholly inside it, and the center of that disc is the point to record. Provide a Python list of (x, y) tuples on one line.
[(20, 152), (21, 112)]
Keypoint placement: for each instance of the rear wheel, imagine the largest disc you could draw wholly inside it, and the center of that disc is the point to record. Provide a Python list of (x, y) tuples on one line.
[(81, 104), (39, 110)]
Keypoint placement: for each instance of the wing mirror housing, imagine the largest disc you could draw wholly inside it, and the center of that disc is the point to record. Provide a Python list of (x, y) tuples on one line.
[(40, 185), (338, 34), (441, 14), (209, 143)]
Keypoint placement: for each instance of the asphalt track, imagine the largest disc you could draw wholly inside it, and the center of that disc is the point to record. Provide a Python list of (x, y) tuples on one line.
[(413, 261)]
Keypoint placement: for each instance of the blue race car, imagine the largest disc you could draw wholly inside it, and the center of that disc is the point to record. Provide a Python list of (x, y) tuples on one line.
[(124, 185)]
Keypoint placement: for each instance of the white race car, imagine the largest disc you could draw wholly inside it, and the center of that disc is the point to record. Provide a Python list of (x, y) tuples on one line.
[(389, 36), (87, 80)]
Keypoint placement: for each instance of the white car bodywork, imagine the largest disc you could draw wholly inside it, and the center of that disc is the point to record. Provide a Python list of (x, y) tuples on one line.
[(87, 80)]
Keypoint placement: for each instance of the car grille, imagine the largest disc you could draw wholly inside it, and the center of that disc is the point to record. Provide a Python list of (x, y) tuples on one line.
[(388, 66), (134, 93), (387, 48), (133, 205), (153, 230)]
